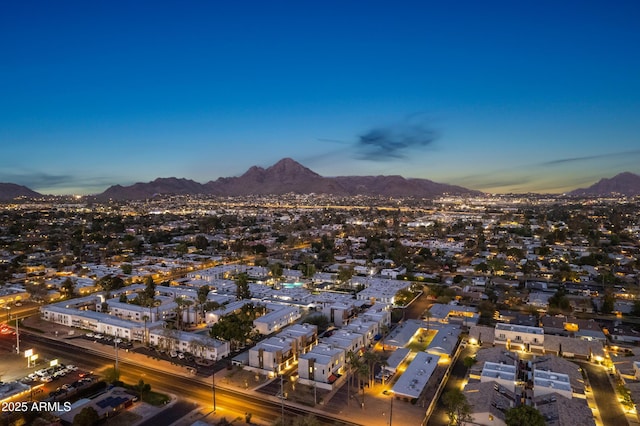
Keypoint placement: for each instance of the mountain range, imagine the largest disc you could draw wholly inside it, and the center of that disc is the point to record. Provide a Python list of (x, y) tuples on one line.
[(289, 176)]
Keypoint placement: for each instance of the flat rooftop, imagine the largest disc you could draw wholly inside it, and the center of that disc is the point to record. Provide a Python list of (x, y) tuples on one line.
[(520, 328), (414, 379)]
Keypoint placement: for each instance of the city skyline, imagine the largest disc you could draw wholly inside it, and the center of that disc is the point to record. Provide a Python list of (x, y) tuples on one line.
[(497, 97)]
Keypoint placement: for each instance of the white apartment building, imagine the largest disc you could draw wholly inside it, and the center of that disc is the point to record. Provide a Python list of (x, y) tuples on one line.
[(138, 313), (413, 381), (548, 382), (519, 337), (322, 366), (277, 319), (274, 354), (195, 344), (347, 340), (97, 322), (503, 374)]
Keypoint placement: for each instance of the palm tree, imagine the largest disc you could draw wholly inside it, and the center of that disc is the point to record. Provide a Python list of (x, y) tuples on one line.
[(352, 360), (187, 303), (384, 331), (179, 300), (144, 337), (370, 360), (428, 315), (170, 341), (203, 293), (362, 373)]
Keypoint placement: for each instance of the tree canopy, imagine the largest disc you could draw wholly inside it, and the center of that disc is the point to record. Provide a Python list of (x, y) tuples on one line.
[(242, 287), (237, 327), (457, 407), (109, 283), (524, 415), (88, 416)]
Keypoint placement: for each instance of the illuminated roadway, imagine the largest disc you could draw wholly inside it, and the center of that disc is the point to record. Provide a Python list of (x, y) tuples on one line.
[(227, 400)]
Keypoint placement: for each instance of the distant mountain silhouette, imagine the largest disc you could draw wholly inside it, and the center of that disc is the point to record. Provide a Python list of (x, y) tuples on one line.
[(626, 183), (10, 191), (287, 176), (159, 186)]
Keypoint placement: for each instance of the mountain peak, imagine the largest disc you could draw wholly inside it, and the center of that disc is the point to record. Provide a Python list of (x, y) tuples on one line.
[(10, 191), (625, 183), (289, 168)]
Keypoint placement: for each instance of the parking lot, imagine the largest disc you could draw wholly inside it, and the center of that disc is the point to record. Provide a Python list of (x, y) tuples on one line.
[(108, 340), (195, 365), (57, 381)]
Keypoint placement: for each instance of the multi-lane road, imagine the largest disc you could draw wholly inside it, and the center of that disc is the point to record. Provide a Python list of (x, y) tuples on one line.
[(194, 389)]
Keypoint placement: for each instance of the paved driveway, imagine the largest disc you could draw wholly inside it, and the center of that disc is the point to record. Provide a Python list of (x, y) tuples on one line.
[(605, 395), (458, 374)]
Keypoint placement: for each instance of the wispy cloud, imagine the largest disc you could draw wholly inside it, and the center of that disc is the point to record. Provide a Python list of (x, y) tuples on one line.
[(590, 157), (393, 142), (37, 179), (51, 181), (390, 142)]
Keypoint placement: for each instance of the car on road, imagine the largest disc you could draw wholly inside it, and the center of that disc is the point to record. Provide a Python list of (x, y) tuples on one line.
[(180, 355), (173, 354)]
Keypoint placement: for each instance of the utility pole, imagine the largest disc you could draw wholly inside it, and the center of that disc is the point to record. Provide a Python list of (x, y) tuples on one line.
[(315, 394), (116, 347), (213, 382), (282, 397), (17, 336), (275, 371)]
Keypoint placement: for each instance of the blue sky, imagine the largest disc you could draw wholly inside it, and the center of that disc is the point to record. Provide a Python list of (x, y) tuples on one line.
[(506, 96)]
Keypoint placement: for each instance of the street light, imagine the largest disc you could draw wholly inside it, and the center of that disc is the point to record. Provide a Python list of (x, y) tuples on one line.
[(276, 372), (213, 382), (315, 394), (116, 348), (17, 335), (391, 409), (282, 397), (8, 308)]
